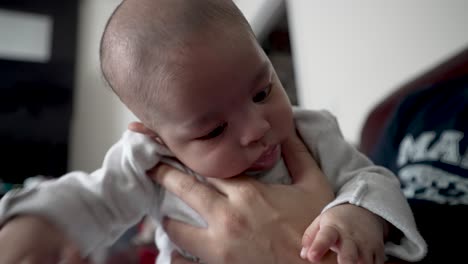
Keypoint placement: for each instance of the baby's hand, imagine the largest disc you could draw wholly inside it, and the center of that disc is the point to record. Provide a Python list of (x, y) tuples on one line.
[(30, 239), (354, 233)]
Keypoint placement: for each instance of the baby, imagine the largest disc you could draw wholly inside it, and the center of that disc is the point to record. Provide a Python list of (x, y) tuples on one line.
[(210, 104)]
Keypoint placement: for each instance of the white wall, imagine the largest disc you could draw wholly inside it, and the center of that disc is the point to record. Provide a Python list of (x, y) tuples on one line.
[(98, 116), (350, 54), (261, 14)]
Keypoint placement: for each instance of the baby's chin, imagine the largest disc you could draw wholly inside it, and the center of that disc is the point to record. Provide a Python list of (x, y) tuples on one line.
[(267, 160), (222, 174), (227, 175), (266, 163)]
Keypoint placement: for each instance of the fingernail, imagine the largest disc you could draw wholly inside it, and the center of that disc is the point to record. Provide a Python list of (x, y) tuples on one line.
[(304, 253)]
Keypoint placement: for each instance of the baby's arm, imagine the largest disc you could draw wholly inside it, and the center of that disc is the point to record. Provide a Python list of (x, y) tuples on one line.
[(357, 182), (93, 209), (32, 239)]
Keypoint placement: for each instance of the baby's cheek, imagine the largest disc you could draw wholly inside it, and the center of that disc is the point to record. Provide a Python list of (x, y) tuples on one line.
[(223, 166)]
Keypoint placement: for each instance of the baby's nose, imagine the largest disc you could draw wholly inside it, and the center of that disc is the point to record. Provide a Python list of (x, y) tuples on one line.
[(255, 132)]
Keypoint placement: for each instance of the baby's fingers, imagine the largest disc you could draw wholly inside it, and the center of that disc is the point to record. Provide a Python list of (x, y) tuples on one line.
[(373, 256), (310, 233), (348, 252), (71, 255), (325, 239)]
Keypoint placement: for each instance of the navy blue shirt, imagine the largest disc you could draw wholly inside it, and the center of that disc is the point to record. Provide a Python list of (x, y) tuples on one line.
[(425, 145)]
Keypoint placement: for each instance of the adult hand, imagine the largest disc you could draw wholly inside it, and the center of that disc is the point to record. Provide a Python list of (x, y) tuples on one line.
[(249, 221)]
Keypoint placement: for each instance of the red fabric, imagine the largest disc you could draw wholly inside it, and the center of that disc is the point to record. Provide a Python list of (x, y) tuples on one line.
[(147, 255)]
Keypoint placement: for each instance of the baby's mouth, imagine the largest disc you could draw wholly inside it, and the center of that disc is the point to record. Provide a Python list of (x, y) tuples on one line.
[(268, 159)]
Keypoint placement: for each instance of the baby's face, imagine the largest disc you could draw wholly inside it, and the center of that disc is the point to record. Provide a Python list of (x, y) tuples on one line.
[(226, 112)]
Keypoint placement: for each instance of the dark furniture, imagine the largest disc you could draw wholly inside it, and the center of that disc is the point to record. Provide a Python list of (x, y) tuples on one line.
[(36, 98)]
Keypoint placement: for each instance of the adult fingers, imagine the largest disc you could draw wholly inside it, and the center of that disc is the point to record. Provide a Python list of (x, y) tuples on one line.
[(366, 257), (325, 239), (226, 187), (302, 167), (197, 195), (240, 186), (297, 157), (186, 236), (376, 254), (177, 258), (379, 257)]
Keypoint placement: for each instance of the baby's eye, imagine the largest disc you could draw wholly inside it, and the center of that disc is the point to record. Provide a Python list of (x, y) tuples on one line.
[(215, 132), (262, 95)]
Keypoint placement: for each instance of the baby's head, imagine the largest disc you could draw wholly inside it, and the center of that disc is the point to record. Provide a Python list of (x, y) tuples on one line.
[(195, 76)]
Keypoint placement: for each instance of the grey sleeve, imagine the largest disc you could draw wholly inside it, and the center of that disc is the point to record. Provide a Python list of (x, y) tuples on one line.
[(356, 180), (95, 209)]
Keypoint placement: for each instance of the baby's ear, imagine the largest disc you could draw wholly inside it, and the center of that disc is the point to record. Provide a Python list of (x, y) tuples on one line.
[(139, 127)]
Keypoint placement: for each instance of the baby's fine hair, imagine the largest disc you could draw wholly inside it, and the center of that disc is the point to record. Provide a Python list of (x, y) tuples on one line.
[(141, 34)]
